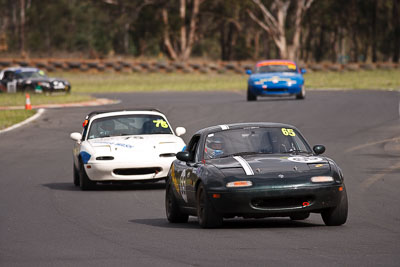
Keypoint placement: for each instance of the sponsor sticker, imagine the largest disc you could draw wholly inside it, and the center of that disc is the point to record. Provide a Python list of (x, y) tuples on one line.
[(302, 159), (115, 144), (182, 185)]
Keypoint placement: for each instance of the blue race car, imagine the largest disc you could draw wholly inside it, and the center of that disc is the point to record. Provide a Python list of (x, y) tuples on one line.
[(276, 78)]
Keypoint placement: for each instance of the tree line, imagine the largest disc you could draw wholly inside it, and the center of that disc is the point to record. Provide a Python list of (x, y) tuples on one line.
[(338, 31)]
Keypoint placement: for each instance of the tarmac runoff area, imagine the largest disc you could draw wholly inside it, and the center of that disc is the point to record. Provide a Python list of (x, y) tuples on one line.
[(42, 108)]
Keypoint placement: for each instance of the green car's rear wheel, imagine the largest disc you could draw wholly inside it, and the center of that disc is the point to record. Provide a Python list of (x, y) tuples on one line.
[(174, 214)]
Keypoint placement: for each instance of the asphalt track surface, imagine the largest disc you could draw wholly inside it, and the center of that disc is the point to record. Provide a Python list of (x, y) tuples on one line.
[(46, 221)]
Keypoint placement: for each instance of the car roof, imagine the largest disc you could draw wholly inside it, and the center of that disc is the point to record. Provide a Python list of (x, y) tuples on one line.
[(109, 113), (21, 69), (275, 61), (218, 128)]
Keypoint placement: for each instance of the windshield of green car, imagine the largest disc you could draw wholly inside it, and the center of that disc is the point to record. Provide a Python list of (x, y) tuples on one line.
[(255, 140), (136, 124)]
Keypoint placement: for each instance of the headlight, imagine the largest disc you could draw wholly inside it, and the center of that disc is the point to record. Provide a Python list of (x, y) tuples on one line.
[(239, 184), (258, 82), (291, 82), (321, 179)]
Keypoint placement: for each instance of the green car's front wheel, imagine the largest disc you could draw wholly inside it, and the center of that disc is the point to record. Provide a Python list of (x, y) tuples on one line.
[(206, 214), (338, 215)]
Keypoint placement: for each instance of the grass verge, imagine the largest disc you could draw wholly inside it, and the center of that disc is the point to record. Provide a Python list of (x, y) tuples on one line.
[(11, 117), (123, 82), (38, 99), (375, 79)]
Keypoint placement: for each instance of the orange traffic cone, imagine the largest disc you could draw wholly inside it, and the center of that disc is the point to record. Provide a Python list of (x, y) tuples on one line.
[(28, 105)]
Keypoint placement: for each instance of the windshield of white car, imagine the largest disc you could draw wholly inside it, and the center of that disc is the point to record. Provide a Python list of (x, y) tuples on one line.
[(276, 68), (135, 124), (249, 141)]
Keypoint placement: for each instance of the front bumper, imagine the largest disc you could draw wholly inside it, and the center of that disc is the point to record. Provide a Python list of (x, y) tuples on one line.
[(265, 202), (275, 89), (131, 171)]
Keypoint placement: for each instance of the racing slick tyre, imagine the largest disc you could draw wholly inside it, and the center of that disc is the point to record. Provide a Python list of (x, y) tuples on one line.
[(302, 93), (174, 214), (337, 215), (299, 216), (206, 214), (76, 175), (250, 95), (84, 181)]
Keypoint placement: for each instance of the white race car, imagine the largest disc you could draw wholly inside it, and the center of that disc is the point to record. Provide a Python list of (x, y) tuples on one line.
[(125, 145)]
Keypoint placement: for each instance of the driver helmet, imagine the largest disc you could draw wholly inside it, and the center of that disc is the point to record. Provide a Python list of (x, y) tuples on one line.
[(107, 125), (215, 146)]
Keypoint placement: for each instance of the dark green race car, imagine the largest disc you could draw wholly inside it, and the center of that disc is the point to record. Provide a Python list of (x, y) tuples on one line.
[(253, 170)]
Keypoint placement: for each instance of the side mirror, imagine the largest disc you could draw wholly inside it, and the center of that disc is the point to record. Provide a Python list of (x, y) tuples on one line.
[(180, 131), (319, 149), (76, 136), (183, 156), (303, 71), (248, 72)]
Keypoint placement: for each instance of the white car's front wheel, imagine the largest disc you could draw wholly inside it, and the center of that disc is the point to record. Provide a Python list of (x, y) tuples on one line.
[(84, 181), (76, 175)]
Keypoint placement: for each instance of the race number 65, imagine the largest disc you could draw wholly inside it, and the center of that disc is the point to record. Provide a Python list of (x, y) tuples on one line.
[(288, 132)]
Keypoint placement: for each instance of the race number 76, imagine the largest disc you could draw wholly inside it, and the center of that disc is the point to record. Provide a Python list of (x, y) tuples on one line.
[(161, 123)]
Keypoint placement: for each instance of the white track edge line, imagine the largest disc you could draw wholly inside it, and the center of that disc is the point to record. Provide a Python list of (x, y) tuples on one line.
[(28, 120)]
